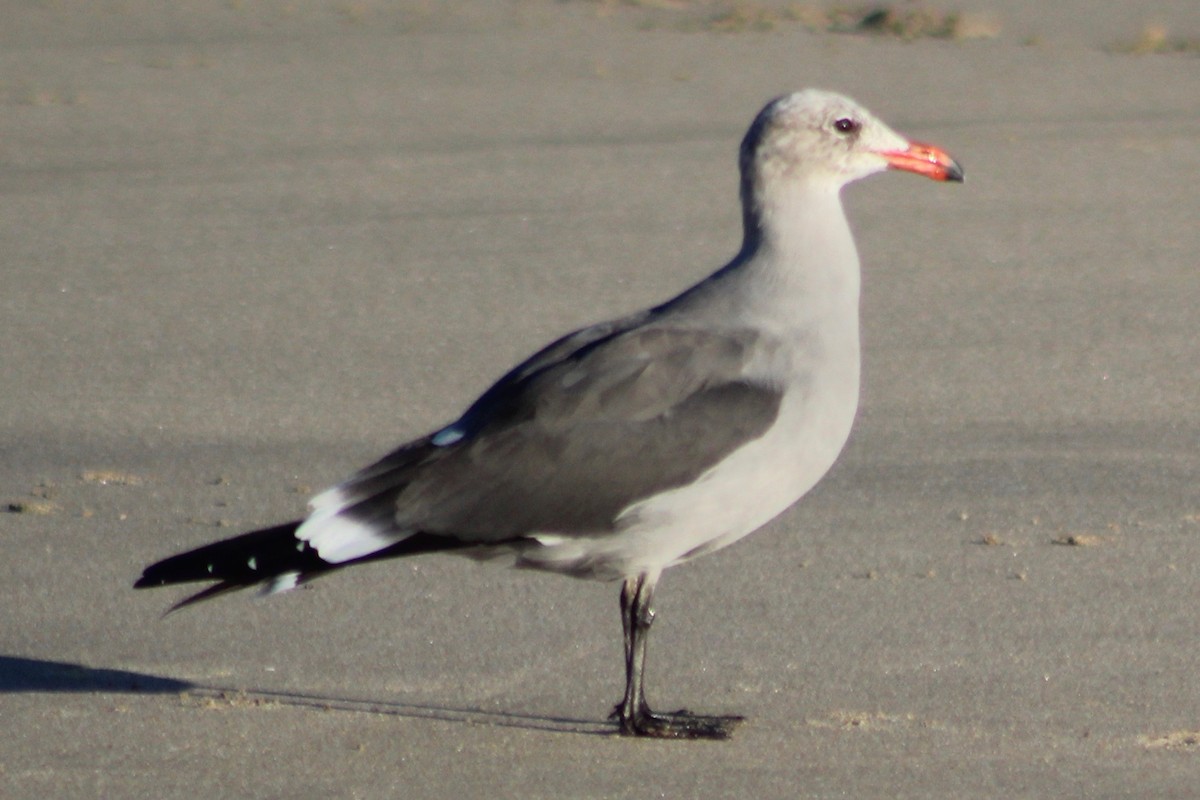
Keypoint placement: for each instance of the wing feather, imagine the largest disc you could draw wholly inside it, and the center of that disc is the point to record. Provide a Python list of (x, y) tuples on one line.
[(567, 440)]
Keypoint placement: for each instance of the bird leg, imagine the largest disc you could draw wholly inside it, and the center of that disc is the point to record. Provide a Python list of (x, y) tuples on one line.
[(633, 712)]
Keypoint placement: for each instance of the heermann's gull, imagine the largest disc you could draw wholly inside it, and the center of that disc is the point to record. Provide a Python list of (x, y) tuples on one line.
[(633, 445)]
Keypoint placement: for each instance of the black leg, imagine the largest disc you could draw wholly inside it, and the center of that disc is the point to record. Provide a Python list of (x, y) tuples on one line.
[(629, 590), (637, 615)]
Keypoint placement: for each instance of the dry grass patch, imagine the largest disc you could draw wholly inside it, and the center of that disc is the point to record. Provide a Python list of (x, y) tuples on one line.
[(1156, 39), (904, 20), (1078, 540), (1176, 740), (110, 477), (908, 21), (37, 507), (220, 699)]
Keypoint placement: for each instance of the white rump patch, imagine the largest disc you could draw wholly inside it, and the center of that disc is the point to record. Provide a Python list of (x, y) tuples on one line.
[(281, 583)]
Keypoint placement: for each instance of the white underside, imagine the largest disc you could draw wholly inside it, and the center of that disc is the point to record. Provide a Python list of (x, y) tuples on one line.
[(745, 491)]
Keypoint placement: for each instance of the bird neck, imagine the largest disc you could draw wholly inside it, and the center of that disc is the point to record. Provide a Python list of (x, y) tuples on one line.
[(799, 242), (796, 274)]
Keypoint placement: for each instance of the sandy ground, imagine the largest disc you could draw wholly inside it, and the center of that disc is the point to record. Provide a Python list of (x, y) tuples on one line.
[(248, 247)]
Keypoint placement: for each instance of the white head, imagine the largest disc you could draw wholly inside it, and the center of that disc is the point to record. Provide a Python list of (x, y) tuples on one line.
[(815, 135), (823, 140)]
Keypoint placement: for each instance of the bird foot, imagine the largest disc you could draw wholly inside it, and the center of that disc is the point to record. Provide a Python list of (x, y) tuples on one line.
[(681, 724)]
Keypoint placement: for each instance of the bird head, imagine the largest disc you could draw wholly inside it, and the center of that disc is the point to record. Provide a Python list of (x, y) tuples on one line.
[(823, 137)]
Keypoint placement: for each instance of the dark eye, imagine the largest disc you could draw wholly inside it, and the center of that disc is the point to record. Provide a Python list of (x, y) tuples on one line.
[(847, 125)]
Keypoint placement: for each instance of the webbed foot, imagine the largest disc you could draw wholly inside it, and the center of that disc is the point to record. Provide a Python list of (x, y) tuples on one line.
[(681, 724)]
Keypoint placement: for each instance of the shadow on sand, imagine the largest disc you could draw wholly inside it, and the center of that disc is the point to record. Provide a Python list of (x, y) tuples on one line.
[(35, 675)]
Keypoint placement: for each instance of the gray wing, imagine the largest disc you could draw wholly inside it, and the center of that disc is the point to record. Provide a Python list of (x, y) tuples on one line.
[(572, 437), (393, 468)]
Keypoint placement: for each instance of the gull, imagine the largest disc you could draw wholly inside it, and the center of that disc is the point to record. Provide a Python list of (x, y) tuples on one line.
[(636, 444)]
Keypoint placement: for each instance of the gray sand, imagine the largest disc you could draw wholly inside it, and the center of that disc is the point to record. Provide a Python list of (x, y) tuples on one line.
[(249, 247)]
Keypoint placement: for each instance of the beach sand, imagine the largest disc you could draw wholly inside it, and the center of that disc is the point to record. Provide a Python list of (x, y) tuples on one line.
[(250, 247)]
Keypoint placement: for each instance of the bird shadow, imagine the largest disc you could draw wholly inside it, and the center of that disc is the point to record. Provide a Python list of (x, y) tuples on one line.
[(37, 675), (31, 675)]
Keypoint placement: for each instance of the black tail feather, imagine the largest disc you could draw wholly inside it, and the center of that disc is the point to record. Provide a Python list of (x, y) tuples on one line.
[(262, 555), (242, 561), (224, 587)]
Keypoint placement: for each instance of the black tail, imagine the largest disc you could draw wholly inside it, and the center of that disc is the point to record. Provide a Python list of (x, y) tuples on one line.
[(264, 555), (235, 563)]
